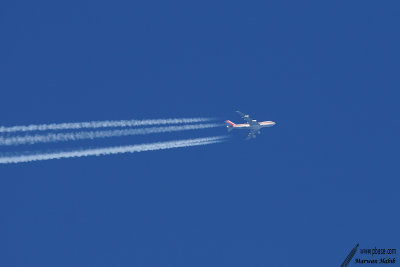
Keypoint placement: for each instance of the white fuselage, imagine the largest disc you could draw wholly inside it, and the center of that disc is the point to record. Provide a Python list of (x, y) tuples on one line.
[(253, 127)]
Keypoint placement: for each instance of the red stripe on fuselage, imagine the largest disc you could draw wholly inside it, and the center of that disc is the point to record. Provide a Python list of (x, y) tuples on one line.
[(266, 122)]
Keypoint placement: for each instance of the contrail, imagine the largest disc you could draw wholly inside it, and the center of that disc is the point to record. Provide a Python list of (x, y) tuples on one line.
[(113, 150), (63, 137), (98, 124)]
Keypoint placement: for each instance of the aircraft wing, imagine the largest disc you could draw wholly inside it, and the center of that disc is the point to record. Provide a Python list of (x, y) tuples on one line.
[(246, 118), (252, 134)]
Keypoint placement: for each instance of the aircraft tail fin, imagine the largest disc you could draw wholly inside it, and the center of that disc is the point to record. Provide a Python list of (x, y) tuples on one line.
[(229, 125)]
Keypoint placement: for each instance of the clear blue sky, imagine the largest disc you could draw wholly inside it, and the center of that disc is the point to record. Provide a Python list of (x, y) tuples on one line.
[(302, 194)]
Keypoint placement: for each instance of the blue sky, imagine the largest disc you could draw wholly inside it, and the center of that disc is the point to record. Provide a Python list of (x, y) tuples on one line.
[(302, 194)]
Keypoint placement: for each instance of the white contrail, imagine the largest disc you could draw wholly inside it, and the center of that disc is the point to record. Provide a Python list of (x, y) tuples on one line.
[(98, 124), (63, 137), (113, 150)]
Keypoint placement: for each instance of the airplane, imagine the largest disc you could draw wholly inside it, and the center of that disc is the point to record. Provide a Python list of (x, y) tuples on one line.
[(252, 125)]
